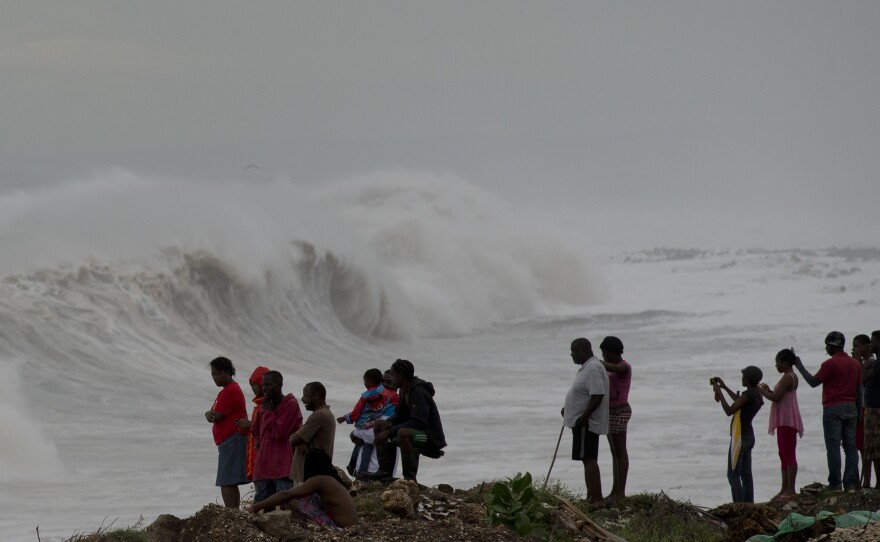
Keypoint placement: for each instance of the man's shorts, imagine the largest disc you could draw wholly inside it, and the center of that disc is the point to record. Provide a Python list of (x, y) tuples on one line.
[(585, 444), (419, 438), (421, 443), (232, 461)]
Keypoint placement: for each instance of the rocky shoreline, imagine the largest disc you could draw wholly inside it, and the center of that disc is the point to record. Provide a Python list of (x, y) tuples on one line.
[(401, 511), (405, 511)]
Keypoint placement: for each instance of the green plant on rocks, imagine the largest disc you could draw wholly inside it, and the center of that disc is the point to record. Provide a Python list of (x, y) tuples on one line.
[(515, 505)]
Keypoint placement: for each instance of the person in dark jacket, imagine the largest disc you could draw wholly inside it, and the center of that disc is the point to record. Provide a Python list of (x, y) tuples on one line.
[(415, 427)]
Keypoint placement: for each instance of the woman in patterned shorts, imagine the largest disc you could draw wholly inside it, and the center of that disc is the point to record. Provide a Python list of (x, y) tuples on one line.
[(619, 413)]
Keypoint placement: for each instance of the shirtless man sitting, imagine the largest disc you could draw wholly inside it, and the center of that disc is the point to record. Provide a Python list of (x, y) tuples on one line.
[(320, 498)]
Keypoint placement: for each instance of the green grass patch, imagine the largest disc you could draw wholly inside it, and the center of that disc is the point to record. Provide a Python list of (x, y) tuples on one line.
[(555, 487), (369, 506), (649, 517), (644, 517), (131, 533)]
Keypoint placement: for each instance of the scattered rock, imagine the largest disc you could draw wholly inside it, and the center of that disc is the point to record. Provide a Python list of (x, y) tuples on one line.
[(343, 476), (563, 521), (812, 489), (398, 502), (446, 488), (410, 487), (866, 533), (166, 528), (276, 524)]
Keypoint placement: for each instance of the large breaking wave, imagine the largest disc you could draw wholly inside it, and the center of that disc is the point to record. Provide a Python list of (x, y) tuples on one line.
[(384, 256), (119, 283)]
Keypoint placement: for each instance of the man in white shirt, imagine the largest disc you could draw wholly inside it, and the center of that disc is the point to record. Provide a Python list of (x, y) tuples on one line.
[(586, 413)]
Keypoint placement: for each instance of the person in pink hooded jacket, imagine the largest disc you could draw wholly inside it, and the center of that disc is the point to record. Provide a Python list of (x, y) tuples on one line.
[(280, 417)]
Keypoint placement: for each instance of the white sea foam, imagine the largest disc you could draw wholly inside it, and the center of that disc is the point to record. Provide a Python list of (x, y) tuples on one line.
[(465, 257), (28, 454)]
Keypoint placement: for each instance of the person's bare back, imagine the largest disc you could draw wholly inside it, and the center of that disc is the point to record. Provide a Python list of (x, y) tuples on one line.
[(337, 503)]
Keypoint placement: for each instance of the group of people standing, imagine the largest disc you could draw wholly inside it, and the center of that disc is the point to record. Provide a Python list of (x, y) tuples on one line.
[(289, 460), (269, 448), (280, 452), (598, 404), (850, 415)]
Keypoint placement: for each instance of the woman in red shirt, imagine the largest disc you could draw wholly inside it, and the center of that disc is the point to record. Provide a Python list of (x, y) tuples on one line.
[(231, 443)]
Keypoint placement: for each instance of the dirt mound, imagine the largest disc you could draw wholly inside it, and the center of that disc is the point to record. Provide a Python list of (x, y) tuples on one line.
[(868, 499), (451, 515), (451, 529), (746, 520), (437, 517), (213, 523)]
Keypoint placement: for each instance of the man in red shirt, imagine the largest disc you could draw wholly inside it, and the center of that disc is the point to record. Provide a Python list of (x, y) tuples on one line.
[(840, 376), (279, 418)]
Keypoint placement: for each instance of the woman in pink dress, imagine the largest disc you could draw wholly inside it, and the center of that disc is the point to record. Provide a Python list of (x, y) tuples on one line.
[(785, 420)]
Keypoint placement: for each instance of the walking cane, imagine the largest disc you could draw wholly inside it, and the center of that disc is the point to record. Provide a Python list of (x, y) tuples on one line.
[(556, 451)]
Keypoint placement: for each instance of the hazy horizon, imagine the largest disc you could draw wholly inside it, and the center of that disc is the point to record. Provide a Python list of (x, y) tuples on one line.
[(674, 123)]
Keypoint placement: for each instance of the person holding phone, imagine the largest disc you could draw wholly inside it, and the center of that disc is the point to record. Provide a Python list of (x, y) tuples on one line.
[(742, 436)]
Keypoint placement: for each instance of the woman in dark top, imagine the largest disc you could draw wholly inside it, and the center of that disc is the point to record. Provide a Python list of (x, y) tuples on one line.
[(862, 351), (747, 404)]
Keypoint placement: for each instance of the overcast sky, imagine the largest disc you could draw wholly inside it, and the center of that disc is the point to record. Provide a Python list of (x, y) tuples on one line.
[(756, 120)]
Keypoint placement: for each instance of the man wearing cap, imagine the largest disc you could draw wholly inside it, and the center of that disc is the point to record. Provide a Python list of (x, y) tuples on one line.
[(586, 413), (840, 376)]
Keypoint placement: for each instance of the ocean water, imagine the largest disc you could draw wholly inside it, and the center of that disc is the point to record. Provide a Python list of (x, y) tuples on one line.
[(115, 292)]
